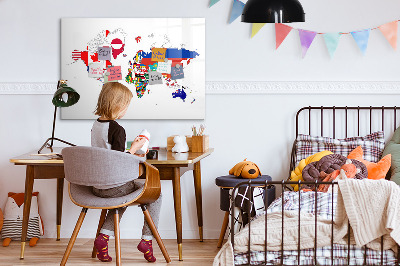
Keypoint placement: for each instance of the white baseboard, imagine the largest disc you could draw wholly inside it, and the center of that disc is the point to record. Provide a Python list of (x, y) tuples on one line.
[(248, 87)]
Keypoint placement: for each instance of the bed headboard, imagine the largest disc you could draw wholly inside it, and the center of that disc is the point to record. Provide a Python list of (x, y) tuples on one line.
[(344, 121)]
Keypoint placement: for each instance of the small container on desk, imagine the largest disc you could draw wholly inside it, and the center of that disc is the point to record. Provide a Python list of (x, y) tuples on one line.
[(200, 143)]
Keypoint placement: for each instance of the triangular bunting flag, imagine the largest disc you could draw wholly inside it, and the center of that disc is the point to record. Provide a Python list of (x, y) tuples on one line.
[(237, 9), (306, 39), (281, 31), (332, 41), (255, 28), (361, 37), (213, 2), (389, 30)]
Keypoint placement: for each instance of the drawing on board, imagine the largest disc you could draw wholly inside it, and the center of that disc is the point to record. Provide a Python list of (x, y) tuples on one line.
[(161, 60)]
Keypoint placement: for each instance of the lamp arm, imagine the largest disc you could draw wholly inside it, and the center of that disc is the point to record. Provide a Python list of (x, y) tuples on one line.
[(54, 126)]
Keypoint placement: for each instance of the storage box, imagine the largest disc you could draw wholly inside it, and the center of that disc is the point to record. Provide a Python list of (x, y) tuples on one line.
[(200, 143), (171, 143)]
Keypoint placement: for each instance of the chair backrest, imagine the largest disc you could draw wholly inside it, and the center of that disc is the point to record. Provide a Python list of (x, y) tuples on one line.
[(92, 166)]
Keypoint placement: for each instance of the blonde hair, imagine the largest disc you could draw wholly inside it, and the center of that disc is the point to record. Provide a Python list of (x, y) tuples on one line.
[(113, 99)]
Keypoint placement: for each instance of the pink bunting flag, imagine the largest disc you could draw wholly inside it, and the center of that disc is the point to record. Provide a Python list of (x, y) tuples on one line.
[(306, 39), (281, 31), (389, 30)]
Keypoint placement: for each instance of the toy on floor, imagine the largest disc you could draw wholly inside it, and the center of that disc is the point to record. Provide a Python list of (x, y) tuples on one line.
[(245, 169), (1, 219), (180, 144), (13, 215)]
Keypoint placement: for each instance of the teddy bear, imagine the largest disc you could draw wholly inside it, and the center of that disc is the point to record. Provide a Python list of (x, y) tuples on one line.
[(180, 144), (13, 215), (245, 169)]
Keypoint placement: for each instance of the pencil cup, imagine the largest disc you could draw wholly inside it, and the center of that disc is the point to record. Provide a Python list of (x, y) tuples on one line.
[(200, 143)]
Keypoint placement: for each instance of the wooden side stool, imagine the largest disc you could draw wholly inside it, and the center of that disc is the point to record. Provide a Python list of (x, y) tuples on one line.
[(226, 183)]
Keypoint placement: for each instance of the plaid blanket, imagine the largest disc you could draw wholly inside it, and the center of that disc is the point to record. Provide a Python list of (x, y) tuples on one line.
[(323, 205), (340, 254)]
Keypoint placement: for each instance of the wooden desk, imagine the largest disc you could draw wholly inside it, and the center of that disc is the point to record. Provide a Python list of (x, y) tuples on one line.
[(171, 167), (40, 167)]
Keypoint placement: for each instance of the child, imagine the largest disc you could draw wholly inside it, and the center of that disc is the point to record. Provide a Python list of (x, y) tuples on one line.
[(112, 104)]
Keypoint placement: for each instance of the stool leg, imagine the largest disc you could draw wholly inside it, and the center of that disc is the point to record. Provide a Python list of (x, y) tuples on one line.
[(117, 239), (101, 222), (223, 229)]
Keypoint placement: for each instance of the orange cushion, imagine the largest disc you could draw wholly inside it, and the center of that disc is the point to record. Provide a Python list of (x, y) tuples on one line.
[(375, 170)]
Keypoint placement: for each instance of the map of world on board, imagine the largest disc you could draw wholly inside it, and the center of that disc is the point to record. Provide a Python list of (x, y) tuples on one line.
[(161, 60)]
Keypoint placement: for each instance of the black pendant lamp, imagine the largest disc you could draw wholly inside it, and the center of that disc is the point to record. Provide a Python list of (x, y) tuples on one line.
[(273, 11)]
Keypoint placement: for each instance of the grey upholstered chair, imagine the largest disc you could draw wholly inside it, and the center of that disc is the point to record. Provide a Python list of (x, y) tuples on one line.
[(85, 167)]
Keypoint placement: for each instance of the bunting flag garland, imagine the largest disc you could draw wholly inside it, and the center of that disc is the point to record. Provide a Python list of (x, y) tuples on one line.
[(213, 2), (332, 41), (256, 27), (281, 31), (389, 30), (361, 37), (306, 39), (237, 8)]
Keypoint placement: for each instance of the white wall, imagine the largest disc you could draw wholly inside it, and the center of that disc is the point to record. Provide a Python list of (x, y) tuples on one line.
[(259, 127)]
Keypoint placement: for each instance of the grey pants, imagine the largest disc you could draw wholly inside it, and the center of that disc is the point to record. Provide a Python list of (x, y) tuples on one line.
[(154, 208)]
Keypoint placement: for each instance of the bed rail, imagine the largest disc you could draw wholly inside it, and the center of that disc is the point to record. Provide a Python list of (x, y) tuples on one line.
[(353, 118), (265, 185), (336, 122)]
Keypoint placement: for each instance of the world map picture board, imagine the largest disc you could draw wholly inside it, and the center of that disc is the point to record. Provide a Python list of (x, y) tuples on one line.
[(161, 60)]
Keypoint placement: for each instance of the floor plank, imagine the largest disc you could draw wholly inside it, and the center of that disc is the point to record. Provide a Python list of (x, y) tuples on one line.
[(50, 252)]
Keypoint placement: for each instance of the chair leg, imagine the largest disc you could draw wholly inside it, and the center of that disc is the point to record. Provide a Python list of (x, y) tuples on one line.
[(101, 222), (73, 237), (117, 239), (154, 230), (223, 229)]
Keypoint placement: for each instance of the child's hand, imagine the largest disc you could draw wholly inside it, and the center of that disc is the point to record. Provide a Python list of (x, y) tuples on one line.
[(137, 144), (143, 155)]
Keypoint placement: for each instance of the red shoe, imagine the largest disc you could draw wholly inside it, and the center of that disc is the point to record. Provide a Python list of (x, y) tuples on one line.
[(146, 247), (101, 245)]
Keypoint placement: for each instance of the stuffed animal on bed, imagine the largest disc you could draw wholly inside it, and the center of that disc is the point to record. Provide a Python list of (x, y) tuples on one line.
[(245, 169), (13, 215)]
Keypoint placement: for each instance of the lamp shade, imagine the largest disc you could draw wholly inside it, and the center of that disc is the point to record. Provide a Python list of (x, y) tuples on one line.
[(273, 11), (65, 96)]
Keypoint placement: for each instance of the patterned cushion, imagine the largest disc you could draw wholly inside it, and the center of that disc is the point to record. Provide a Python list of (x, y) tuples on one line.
[(372, 144)]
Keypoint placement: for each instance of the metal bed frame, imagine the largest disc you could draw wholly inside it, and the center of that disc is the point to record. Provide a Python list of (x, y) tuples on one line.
[(284, 183)]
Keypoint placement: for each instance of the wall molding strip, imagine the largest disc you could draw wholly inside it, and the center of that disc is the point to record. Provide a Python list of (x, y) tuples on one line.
[(244, 87)]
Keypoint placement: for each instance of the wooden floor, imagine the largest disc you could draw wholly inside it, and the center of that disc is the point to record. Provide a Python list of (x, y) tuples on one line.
[(50, 252)]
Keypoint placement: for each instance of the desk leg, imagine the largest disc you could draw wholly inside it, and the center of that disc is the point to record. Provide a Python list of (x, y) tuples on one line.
[(176, 182), (60, 190), (27, 206), (199, 204)]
